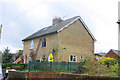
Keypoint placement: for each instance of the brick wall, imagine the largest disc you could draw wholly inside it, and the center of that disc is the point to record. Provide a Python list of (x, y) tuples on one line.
[(55, 76), (75, 40), (51, 43)]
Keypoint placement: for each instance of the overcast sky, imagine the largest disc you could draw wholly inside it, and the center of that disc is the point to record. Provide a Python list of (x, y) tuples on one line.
[(21, 18)]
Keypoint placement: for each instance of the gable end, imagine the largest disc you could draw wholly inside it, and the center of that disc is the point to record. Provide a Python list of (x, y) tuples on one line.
[(80, 19)]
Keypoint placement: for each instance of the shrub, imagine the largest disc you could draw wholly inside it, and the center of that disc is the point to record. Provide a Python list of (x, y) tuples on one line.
[(4, 65), (104, 66), (108, 61), (80, 68)]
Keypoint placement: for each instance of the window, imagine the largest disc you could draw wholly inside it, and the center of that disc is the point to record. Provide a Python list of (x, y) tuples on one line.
[(81, 57), (42, 58), (43, 42), (31, 45), (73, 58)]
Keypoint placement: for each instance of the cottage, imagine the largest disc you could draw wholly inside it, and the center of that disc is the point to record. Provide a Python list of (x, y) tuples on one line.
[(113, 54), (64, 41)]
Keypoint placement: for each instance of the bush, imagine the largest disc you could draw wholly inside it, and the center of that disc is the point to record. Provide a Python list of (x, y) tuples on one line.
[(12, 65), (108, 61), (81, 69), (104, 66)]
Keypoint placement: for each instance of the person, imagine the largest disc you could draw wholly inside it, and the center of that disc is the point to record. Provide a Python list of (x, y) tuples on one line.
[(6, 74)]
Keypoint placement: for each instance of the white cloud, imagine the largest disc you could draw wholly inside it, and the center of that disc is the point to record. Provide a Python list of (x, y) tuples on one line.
[(12, 49), (40, 12)]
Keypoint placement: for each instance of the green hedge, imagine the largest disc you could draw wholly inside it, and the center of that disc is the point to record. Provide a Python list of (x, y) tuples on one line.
[(4, 65)]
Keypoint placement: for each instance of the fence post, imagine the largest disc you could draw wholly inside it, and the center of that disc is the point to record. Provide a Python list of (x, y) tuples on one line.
[(63, 66), (50, 66), (67, 66), (70, 65), (29, 66)]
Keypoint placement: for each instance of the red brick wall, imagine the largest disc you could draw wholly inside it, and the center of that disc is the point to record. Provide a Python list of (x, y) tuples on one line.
[(42, 75), (54, 76), (111, 54)]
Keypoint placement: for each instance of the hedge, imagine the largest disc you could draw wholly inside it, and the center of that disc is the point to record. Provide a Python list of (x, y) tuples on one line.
[(4, 65)]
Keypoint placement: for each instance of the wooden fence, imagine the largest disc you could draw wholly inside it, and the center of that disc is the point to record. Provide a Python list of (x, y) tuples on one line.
[(55, 66)]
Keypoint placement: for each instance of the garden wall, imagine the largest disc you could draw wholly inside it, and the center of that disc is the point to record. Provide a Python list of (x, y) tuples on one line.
[(55, 75), (85, 77), (14, 75)]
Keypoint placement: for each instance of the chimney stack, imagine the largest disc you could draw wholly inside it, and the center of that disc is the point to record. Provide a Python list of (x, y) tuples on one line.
[(56, 20)]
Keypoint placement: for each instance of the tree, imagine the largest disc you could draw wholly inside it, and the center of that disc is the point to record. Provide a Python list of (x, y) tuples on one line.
[(6, 56)]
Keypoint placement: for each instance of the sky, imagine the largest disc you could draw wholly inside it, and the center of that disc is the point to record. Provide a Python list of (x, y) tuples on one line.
[(21, 18)]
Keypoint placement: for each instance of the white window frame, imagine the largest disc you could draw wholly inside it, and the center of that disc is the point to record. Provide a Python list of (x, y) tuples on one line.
[(31, 44), (73, 58)]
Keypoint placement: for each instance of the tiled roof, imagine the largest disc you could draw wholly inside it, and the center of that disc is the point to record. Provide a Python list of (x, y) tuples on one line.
[(100, 54), (116, 52), (56, 28)]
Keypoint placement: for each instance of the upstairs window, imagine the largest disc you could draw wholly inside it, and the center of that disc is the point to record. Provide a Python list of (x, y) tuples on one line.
[(31, 45), (73, 58), (43, 42)]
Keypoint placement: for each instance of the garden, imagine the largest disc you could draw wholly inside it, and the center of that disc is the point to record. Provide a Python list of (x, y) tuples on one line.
[(103, 67), (89, 67)]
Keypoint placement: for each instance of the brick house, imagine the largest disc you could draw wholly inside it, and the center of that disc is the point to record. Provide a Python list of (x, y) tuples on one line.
[(113, 54), (67, 40)]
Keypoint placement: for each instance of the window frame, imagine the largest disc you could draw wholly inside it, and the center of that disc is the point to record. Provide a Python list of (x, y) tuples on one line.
[(31, 44), (43, 42), (74, 57)]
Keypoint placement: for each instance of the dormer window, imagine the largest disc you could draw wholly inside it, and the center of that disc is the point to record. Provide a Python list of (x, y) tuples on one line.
[(43, 42), (31, 45)]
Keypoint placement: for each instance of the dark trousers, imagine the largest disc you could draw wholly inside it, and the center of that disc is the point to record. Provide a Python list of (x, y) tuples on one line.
[(6, 75)]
